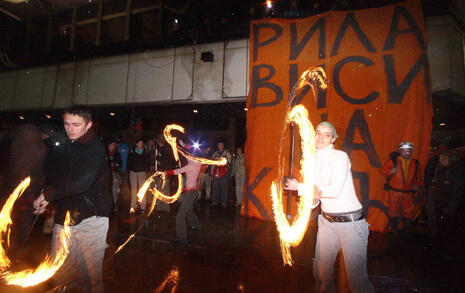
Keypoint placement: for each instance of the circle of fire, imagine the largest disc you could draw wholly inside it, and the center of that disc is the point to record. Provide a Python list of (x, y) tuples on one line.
[(292, 234)]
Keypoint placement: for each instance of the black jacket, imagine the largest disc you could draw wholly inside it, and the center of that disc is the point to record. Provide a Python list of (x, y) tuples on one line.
[(138, 162), (83, 187), (165, 158)]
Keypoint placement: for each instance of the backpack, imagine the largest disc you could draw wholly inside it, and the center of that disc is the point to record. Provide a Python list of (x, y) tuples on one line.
[(393, 156)]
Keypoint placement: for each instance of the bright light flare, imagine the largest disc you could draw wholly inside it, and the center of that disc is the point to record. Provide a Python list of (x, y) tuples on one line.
[(292, 234), (196, 145), (132, 211), (268, 4), (47, 268), (172, 141)]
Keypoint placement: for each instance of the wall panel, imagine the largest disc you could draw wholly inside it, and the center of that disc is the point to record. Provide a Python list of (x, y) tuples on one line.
[(64, 87), (107, 80), (7, 90), (183, 73), (208, 76), (235, 69), (29, 88), (153, 76)]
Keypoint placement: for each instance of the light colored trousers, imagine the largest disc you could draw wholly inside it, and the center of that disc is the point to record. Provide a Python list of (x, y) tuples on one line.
[(352, 238), (115, 190), (137, 179), (239, 188), (82, 269), (207, 179), (161, 205)]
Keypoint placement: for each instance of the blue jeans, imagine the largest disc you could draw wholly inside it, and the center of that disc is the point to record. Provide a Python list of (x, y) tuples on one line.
[(83, 266)]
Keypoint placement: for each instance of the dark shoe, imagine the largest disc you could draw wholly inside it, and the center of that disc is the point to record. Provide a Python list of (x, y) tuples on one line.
[(177, 242), (196, 229)]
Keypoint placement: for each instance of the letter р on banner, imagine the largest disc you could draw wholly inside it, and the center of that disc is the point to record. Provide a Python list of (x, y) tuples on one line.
[(379, 93)]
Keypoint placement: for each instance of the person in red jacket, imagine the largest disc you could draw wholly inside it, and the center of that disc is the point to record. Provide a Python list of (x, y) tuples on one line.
[(402, 182)]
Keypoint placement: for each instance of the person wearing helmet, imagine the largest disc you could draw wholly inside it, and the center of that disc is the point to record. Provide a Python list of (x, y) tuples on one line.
[(402, 182)]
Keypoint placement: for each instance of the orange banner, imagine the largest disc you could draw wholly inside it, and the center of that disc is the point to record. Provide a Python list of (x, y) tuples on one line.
[(379, 94)]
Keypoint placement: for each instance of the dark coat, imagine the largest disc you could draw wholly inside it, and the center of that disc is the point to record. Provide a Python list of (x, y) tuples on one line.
[(165, 158), (83, 188), (25, 158), (139, 162)]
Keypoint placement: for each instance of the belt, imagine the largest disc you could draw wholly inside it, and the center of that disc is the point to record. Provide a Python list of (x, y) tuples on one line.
[(343, 218), (403, 191)]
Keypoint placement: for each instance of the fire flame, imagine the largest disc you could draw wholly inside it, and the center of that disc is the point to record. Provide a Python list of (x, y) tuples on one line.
[(47, 268), (312, 75), (292, 234), (157, 194), (132, 211), (171, 280), (5, 221)]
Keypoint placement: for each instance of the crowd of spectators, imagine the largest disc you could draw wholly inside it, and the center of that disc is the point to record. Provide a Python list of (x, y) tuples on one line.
[(28, 150)]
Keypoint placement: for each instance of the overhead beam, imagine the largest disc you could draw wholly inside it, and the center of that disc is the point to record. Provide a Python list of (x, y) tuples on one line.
[(49, 33), (127, 27), (14, 16), (73, 31), (99, 23), (181, 10), (111, 16)]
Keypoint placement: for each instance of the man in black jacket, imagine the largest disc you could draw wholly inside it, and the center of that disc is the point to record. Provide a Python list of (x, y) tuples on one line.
[(138, 166), (83, 190)]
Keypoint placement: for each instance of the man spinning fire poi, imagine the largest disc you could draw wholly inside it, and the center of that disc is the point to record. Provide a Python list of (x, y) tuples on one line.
[(341, 224), (83, 190)]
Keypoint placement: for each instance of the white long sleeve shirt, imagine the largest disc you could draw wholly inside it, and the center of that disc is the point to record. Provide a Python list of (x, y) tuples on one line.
[(334, 178)]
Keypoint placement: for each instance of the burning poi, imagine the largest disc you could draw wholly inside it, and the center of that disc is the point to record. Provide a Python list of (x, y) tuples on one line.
[(172, 141), (292, 234), (48, 267)]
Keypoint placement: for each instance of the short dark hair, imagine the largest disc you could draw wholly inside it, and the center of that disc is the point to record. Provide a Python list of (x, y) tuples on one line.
[(80, 111)]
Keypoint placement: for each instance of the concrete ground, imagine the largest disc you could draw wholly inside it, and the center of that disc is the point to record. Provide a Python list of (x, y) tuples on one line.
[(237, 254)]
